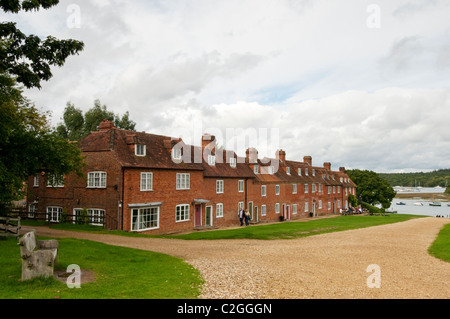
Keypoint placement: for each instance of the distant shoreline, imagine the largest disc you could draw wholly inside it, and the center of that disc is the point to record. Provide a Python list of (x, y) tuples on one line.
[(432, 196)]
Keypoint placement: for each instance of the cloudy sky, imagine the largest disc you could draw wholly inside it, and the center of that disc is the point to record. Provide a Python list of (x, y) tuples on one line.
[(362, 84)]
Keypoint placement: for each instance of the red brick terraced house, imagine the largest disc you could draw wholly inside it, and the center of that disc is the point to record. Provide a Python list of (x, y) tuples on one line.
[(140, 182)]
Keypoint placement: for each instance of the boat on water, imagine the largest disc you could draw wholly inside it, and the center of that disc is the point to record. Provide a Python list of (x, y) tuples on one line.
[(418, 204), (435, 204), (400, 203)]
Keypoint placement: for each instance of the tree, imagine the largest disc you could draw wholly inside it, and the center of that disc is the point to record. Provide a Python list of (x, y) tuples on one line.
[(76, 126), (372, 189), (27, 144), (28, 58)]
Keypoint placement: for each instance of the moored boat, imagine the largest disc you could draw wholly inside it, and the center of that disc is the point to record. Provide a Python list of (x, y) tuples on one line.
[(435, 204)]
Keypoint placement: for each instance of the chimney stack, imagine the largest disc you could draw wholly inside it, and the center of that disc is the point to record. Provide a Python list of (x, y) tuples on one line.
[(251, 155), (281, 155), (105, 125), (307, 160), (327, 166), (208, 142)]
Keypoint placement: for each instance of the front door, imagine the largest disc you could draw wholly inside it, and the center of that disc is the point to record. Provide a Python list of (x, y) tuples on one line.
[(208, 216), (250, 209), (198, 216)]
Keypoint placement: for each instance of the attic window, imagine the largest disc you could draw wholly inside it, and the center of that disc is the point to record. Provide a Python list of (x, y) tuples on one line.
[(211, 160), (232, 162), (270, 170), (288, 170), (140, 150), (176, 153)]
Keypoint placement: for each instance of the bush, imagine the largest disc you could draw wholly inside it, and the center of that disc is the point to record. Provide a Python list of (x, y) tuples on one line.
[(372, 209), (83, 219)]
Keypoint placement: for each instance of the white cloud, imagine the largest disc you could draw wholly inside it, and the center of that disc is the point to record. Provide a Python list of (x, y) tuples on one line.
[(335, 88)]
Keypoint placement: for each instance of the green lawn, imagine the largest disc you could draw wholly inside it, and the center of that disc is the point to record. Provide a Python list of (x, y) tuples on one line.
[(120, 273), (289, 230), (441, 246), (131, 273)]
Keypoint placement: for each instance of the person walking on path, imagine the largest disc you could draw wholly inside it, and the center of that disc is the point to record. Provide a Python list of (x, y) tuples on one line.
[(241, 216), (247, 217)]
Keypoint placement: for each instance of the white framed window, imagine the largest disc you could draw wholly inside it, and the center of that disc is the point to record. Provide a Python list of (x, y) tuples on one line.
[(96, 216), (255, 169), (145, 218), (306, 171), (183, 181), (294, 209), (219, 186), (277, 208), (320, 188), (306, 207), (146, 181), (241, 186), (140, 149), (320, 204), (306, 188), (36, 181), (270, 170), (313, 172), (211, 160), (329, 190), (299, 171), (176, 153), (294, 188), (334, 189), (339, 203), (263, 190), (288, 170), (55, 180), (232, 162), (54, 214), (329, 205), (240, 206), (182, 213), (277, 189), (96, 180), (313, 188), (263, 210), (32, 208), (339, 189), (219, 210)]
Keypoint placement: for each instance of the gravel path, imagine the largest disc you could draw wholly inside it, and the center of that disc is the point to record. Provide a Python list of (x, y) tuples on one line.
[(323, 266)]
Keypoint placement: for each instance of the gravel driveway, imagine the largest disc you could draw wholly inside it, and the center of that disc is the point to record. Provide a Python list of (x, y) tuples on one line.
[(331, 265)]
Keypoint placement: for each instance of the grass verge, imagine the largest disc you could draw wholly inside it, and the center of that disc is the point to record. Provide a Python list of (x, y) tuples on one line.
[(121, 273), (290, 230), (441, 246)]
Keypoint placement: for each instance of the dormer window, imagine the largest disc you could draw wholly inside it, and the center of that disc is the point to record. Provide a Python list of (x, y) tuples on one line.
[(140, 149), (255, 169), (313, 172), (270, 169), (211, 160), (232, 162), (288, 170), (306, 172), (176, 153), (299, 172)]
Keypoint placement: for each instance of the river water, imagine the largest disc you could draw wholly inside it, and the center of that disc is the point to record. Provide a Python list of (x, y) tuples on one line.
[(411, 205)]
